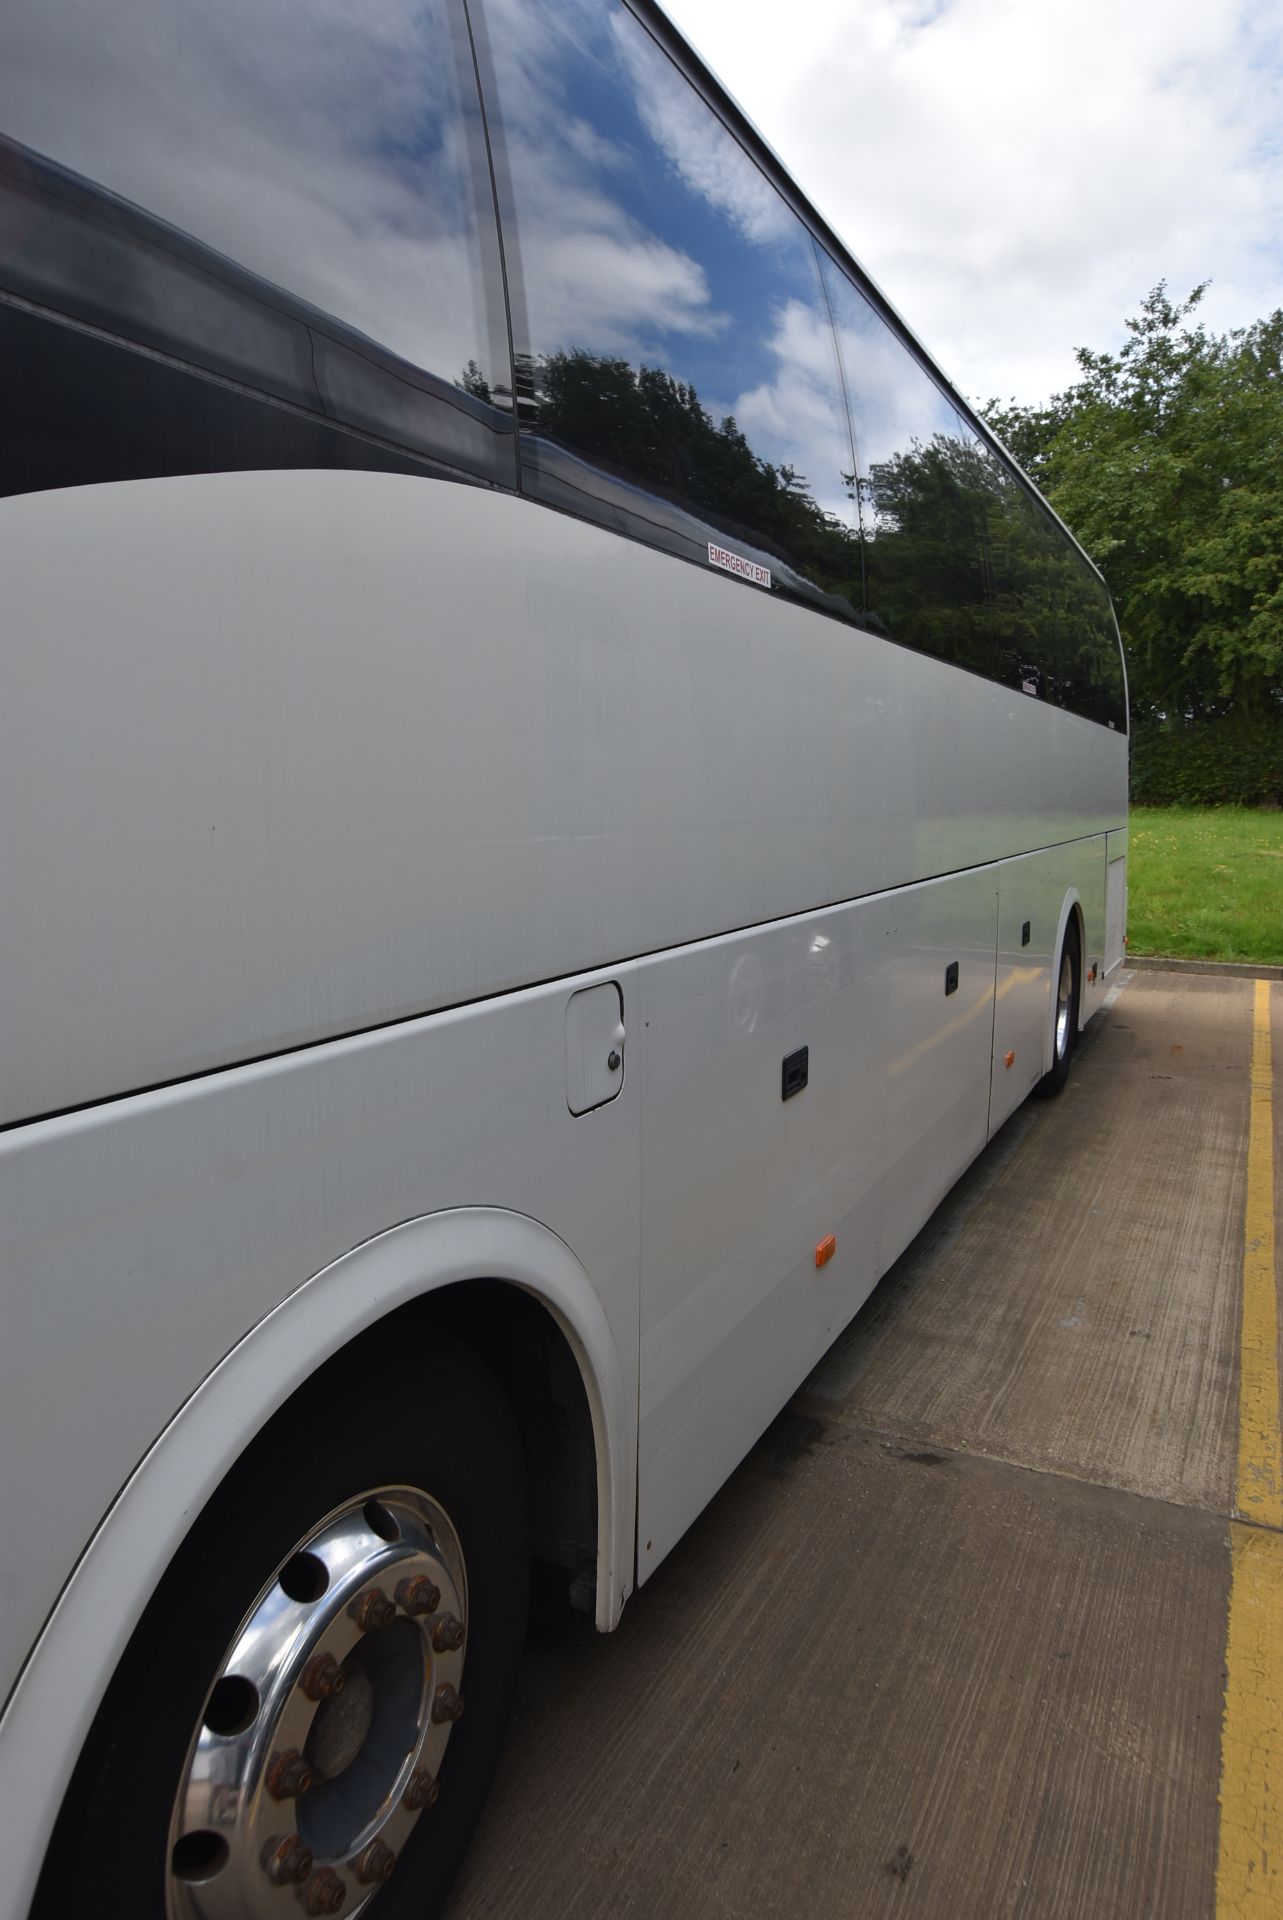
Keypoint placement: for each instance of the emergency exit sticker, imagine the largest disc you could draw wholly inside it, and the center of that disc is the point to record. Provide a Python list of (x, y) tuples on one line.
[(736, 563)]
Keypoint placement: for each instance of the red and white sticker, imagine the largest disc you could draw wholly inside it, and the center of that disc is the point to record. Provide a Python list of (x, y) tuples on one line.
[(736, 563), (1029, 686)]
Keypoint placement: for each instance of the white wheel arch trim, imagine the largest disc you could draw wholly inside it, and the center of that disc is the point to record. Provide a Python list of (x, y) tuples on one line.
[(57, 1695)]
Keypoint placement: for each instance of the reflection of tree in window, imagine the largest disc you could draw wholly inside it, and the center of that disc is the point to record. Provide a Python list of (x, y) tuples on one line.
[(671, 330), (652, 428), (923, 512), (1051, 614), (963, 564)]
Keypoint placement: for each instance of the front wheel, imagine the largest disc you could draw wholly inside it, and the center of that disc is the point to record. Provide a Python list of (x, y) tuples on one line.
[(309, 1713), (1064, 1030)]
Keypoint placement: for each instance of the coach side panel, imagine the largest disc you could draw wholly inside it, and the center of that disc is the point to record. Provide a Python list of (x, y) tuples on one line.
[(288, 755)]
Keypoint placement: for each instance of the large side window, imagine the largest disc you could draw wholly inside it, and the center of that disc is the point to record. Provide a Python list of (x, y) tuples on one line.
[(677, 372), (1052, 618), (961, 562), (922, 491), (1094, 651), (291, 196)]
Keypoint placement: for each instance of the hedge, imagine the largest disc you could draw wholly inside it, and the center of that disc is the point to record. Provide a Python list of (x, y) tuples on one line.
[(1214, 763)]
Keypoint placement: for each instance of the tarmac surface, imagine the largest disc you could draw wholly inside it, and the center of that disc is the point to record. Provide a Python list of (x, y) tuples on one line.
[(951, 1644)]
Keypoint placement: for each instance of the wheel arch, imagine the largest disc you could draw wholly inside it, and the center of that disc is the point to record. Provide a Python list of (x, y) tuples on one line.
[(1071, 909), (469, 1260)]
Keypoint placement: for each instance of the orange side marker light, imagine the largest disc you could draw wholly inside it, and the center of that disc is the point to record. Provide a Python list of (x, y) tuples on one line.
[(826, 1249), (1011, 1059)]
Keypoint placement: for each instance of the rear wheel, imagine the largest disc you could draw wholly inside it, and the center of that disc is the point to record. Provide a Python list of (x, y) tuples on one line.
[(309, 1713), (1064, 1014)]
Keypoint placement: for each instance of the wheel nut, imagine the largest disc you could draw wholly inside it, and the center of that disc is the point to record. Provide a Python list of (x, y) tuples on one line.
[(287, 1862), (322, 1677), (447, 1633), (288, 1775), (324, 1892), (417, 1594), (447, 1704), (373, 1609), (423, 1791), (373, 1864)]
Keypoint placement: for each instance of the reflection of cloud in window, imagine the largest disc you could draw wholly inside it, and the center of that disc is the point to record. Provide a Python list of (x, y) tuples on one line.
[(696, 144), (913, 15), (313, 158), (596, 152), (531, 47), (596, 277), (893, 400), (596, 290), (796, 418)]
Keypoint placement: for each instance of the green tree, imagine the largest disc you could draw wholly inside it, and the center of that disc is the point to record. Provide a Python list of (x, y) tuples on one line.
[(1164, 458)]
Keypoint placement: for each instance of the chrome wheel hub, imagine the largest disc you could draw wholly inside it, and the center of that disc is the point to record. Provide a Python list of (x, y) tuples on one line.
[(1064, 1004), (320, 1742)]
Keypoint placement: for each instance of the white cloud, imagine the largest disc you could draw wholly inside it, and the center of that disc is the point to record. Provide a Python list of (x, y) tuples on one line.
[(1015, 176)]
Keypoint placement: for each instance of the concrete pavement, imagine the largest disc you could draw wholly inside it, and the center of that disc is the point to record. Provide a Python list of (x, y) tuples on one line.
[(952, 1641)]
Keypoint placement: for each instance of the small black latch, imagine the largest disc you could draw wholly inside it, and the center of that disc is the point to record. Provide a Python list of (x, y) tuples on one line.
[(951, 977), (1024, 934), (797, 1068)]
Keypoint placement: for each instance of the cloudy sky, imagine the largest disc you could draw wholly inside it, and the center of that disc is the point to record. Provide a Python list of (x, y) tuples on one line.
[(1016, 174)]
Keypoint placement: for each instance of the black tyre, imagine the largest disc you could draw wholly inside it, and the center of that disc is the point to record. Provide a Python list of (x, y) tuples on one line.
[(229, 1772), (1064, 1014)]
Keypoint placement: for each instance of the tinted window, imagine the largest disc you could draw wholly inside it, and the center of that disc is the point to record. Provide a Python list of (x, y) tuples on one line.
[(677, 362), (922, 484), (290, 195), (960, 560), (1052, 618)]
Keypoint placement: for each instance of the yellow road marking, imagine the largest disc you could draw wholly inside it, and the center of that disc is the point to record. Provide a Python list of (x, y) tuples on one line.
[(1249, 1879)]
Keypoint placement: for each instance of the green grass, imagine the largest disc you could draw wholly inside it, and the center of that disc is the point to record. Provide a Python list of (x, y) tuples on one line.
[(1206, 883)]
